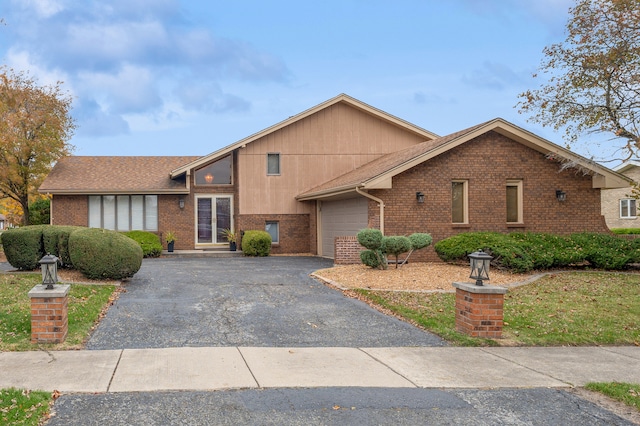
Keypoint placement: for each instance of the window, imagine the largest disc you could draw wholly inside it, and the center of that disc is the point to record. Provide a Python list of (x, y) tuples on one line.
[(124, 212), (216, 173), (459, 195), (273, 164), (273, 228), (514, 201), (627, 209)]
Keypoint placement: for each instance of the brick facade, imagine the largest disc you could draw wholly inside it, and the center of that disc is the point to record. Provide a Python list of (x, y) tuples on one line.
[(294, 230), (487, 162)]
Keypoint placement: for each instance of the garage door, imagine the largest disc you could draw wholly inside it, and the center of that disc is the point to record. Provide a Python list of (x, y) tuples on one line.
[(341, 218)]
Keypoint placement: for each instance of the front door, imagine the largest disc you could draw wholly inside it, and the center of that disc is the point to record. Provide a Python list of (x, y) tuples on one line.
[(213, 215)]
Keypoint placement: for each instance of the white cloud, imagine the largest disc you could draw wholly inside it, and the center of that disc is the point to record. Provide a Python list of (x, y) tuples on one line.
[(42, 8)]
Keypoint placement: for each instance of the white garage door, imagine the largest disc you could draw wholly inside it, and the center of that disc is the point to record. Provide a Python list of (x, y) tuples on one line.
[(341, 218)]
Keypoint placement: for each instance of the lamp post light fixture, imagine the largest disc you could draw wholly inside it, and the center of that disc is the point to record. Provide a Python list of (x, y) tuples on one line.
[(420, 197), (49, 268), (480, 262)]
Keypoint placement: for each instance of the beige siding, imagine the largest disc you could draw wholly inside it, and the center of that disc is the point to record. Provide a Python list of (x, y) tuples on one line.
[(312, 151), (611, 203)]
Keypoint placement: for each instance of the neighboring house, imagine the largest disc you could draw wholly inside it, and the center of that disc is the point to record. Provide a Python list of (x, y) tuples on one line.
[(3, 221), (332, 170), (618, 206)]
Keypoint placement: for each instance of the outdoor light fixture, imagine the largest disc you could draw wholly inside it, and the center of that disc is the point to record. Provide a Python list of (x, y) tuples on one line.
[(420, 197), (561, 195), (181, 203), (208, 177), (49, 267), (479, 266)]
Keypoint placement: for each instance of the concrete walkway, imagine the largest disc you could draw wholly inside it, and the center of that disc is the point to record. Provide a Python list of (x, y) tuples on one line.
[(217, 368)]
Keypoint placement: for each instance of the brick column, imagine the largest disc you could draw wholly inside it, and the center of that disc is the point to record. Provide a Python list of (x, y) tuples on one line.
[(479, 309), (49, 321)]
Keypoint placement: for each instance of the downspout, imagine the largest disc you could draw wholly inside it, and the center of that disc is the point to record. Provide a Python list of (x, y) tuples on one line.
[(377, 200)]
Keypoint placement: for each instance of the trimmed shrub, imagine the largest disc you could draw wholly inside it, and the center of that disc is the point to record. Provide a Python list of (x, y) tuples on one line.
[(522, 252), (420, 240), (100, 253), (23, 246), (372, 258), (149, 242), (256, 243), (55, 240), (396, 245), (370, 238)]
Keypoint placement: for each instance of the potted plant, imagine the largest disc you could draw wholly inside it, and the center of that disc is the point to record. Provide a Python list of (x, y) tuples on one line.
[(231, 237), (171, 239)]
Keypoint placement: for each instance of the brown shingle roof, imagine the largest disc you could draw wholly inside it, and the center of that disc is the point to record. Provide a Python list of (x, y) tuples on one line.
[(79, 174)]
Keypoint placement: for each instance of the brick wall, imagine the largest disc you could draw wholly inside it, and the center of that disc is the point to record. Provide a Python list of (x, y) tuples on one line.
[(70, 210), (294, 230), (487, 162), (347, 251)]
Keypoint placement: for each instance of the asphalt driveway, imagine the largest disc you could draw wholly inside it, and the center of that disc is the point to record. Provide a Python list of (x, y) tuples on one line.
[(267, 302)]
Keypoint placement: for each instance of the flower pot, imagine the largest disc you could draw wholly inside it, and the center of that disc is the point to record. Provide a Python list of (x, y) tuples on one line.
[(232, 246), (170, 246)]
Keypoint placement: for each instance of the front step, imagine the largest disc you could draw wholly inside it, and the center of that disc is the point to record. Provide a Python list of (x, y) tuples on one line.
[(202, 253)]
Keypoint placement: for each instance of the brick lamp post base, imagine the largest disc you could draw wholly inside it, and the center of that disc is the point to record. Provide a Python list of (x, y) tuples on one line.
[(479, 310), (49, 321)]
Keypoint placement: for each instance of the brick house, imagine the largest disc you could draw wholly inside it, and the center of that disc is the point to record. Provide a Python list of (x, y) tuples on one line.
[(322, 175), (618, 207)]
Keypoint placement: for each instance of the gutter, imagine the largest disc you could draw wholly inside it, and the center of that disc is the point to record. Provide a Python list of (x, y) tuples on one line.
[(377, 200)]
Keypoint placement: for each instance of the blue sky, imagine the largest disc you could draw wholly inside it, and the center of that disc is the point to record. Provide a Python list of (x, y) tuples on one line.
[(171, 77)]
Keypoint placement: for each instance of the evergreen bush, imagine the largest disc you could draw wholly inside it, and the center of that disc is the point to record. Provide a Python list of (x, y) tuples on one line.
[(23, 246), (148, 241), (100, 254), (396, 245), (55, 239), (256, 243), (370, 238), (522, 252)]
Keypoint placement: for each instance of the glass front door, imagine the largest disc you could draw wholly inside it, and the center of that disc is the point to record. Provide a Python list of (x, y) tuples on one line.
[(213, 216)]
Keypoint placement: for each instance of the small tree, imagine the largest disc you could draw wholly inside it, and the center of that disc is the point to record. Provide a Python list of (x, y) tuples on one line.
[(35, 126), (372, 240), (40, 212), (396, 245)]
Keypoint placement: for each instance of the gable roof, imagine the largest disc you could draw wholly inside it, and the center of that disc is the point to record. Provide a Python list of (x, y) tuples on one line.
[(626, 166), (115, 175), (340, 98), (378, 174)]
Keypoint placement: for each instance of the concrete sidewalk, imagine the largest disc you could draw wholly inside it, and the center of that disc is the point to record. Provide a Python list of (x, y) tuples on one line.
[(217, 368)]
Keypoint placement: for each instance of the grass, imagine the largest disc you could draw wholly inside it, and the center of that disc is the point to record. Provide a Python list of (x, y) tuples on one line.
[(580, 308), (22, 407), (86, 302), (623, 392)]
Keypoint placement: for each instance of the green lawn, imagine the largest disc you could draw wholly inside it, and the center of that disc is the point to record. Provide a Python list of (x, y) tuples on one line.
[(22, 407), (624, 392), (86, 302), (579, 308)]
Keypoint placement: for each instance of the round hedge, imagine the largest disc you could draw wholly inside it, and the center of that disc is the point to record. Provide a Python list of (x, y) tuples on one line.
[(23, 246), (256, 243), (100, 253)]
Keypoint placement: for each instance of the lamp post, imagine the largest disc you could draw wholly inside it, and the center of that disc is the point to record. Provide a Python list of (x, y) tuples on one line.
[(49, 268), (480, 262)]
